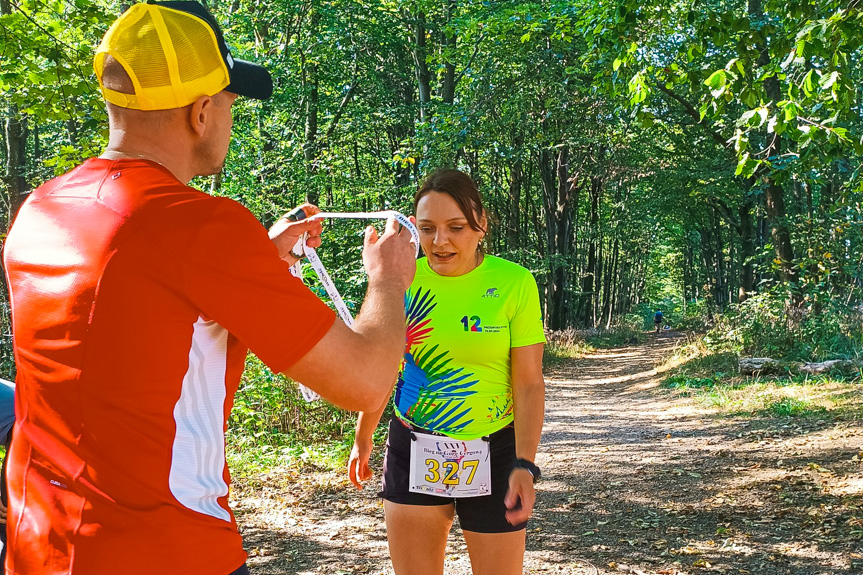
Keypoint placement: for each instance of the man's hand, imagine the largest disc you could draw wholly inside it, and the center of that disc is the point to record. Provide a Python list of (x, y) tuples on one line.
[(390, 257), (374, 346), (285, 233)]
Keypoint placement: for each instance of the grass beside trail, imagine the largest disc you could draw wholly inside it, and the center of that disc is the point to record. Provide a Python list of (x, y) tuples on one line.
[(714, 380), (572, 344)]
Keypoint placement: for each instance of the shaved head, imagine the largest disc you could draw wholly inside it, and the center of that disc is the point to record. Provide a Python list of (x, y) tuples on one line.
[(115, 77)]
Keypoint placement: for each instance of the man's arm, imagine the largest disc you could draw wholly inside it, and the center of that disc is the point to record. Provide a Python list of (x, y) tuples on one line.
[(355, 368)]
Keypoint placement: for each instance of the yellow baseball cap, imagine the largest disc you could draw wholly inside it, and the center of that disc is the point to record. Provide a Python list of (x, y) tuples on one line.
[(174, 53)]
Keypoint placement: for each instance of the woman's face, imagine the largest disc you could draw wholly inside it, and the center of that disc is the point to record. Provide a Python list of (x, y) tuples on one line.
[(448, 242)]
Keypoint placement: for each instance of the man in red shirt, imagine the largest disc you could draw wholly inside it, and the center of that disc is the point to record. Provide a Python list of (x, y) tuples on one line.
[(135, 299)]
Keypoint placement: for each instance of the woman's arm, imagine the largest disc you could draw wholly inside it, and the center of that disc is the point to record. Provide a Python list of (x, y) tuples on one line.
[(528, 395), (358, 462)]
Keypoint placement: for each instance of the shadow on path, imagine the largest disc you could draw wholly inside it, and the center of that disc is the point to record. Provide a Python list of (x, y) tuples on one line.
[(634, 481)]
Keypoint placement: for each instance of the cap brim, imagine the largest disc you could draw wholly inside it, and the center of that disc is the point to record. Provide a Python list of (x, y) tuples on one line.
[(250, 80)]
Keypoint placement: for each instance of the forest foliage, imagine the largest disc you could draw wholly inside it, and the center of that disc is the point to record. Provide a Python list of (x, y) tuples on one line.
[(699, 157)]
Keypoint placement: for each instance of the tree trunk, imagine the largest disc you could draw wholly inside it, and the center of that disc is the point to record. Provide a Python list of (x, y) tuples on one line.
[(421, 68), (557, 195), (15, 185), (449, 44), (720, 293), (611, 282), (708, 254), (747, 251), (589, 280), (775, 194), (216, 182), (515, 182), (310, 96)]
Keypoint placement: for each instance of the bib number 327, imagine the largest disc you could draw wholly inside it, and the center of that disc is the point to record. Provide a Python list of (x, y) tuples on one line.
[(449, 467)]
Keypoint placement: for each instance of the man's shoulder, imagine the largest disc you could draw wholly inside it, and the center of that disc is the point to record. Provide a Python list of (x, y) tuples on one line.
[(139, 190), (99, 178)]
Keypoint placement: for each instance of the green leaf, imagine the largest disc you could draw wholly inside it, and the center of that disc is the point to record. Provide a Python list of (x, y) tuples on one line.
[(773, 125), (826, 82), (746, 166), (717, 83), (746, 117), (808, 87), (716, 80)]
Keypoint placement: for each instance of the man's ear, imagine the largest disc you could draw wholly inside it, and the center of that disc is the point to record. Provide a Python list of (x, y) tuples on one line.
[(200, 112)]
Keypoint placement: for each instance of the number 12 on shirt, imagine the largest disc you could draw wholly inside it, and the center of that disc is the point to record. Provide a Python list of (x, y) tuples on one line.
[(472, 324), (449, 467)]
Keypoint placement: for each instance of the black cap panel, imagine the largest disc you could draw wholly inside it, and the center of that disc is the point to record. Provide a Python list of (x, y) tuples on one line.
[(250, 80)]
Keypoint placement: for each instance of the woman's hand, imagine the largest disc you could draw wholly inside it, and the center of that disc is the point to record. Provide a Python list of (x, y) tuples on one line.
[(520, 497), (285, 233), (358, 463)]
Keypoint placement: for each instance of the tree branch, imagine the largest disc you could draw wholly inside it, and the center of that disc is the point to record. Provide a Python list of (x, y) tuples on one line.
[(344, 103), (690, 109)]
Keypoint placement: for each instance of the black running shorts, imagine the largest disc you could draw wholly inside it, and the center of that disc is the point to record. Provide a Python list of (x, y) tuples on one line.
[(484, 514)]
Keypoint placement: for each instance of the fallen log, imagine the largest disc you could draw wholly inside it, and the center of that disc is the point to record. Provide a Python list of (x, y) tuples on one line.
[(765, 365), (843, 365), (754, 365)]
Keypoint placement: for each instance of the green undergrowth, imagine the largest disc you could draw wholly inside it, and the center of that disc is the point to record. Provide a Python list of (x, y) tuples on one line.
[(562, 345), (818, 328), (618, 336), (272, 426), (713, 379)]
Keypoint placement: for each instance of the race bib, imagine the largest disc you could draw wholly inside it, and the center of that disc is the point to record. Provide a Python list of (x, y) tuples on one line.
[(449, 467)]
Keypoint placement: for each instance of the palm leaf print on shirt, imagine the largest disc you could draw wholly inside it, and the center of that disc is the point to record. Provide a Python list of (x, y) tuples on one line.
[(417, 309), (431, 392)]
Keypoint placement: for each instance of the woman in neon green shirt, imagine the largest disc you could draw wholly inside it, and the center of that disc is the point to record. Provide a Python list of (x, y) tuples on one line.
[(469, 401)]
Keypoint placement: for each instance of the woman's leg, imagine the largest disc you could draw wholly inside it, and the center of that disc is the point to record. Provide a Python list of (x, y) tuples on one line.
[(496, 553), (417, 537)]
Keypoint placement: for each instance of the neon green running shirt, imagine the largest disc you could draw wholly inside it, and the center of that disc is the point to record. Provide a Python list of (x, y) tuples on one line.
[(455, 378)]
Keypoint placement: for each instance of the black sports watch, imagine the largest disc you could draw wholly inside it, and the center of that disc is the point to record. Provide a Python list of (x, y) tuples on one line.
[(531, 467)]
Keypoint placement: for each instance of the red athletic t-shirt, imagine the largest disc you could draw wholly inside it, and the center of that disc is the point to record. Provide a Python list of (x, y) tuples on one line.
[(134, 301)]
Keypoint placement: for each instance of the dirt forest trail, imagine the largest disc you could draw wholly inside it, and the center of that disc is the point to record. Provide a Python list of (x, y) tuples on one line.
[(634, 481)]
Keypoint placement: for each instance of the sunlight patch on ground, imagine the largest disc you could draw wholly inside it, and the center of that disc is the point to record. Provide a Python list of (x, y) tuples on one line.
[(810, 552), (849, 485), (638, 353), (744, 478), (604, 380)]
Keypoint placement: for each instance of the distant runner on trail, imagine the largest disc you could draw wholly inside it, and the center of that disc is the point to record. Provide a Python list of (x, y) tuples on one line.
[(135, 299), (658, 318), (469, 401)]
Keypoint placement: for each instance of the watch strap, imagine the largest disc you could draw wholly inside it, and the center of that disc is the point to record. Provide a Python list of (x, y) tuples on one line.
[(531, 467)]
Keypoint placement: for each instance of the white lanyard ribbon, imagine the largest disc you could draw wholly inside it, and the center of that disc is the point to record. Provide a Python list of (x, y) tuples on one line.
[(324, 276)]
